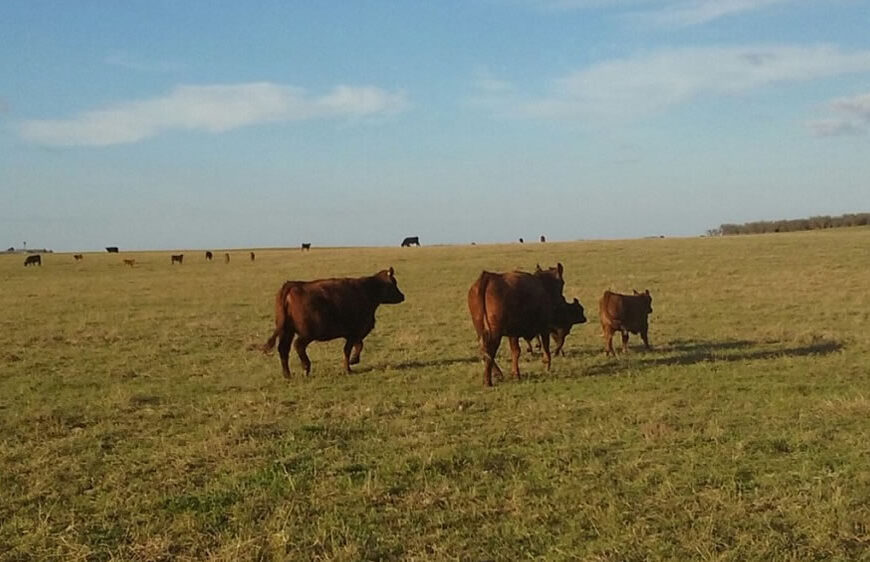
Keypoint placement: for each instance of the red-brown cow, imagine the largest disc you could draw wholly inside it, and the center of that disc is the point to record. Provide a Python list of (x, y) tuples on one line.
[(516, 305), (624, 314), (327, 309)]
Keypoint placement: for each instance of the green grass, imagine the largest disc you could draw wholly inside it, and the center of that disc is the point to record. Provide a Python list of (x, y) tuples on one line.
[(135, 424)]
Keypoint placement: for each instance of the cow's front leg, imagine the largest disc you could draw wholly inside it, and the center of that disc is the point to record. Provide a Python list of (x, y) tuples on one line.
[(559, 340), (545, 346), (625, 341), (348, 345), (645, 337), (515, 356), (299, 345), (608, 341)]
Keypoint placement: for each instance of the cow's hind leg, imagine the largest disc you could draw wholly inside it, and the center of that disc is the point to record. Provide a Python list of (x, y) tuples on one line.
[(625, 341), (645, 337), (489, 347), (608, 340), (515, 356), (545, 346), (357, 349), (299, 345), (284, 342)]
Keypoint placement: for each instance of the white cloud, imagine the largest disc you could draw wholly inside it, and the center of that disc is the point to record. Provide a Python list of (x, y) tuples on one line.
[(853, 117), (214, 108), (650, 82)]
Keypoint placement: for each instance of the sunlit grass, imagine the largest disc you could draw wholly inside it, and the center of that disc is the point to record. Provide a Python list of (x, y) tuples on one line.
[(136, 424)]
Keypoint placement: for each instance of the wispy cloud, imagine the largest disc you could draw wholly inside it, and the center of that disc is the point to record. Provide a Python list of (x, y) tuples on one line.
[(852, 117), (214, 108), (130, 62), (650, 82), (671, 13)]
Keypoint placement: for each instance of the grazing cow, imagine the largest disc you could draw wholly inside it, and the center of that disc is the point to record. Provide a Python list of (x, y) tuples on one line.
[(543, 238), (306, 246), (253, 256), (112, 249), (516, 305), (78, 257), (567, 315), (411, 241), (177, 258), (624, 314), (226, 258), (209, 256), (327, 309), (33, 260), (129, 261)]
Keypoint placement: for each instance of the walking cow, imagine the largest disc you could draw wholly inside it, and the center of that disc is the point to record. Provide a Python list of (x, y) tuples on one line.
[(624, 314), (516, 305), (327, 309)]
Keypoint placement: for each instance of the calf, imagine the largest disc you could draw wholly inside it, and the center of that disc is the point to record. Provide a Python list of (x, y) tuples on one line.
[(411, 241), (177, 258), (624, 314), (33, 260), (78, 257), (567, 315), (129, 261), (253, 256), (209, 256), (327, 309), (516, 305)]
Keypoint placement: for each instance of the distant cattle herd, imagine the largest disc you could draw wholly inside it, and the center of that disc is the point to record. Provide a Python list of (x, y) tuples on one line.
[(515, 305)]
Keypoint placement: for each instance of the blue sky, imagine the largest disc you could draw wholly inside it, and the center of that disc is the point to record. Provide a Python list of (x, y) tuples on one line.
[(165, 124)]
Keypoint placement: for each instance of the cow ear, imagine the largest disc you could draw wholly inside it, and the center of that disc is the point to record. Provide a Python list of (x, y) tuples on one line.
[(390, 271), (538, 268), (646, 292), (576, 301), (559, 268), (635, 291)]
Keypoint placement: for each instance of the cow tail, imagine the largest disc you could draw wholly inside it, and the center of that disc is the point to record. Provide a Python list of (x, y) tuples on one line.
[(487, 329), (280, 316)]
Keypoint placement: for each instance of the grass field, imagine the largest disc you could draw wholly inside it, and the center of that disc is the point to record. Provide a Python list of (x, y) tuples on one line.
[(135, 424)]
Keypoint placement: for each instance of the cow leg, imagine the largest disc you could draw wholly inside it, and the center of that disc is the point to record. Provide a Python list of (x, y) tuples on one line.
[(348, 345), (625, 341), (559, 340), (644, 336), (529, 345), (300, 344), (284, 341), (608, 341), (357, 349), (489, 347), (515, 356), (545, 346)]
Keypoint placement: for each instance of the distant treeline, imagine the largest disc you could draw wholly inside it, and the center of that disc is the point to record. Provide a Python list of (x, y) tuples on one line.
[(792, 225)]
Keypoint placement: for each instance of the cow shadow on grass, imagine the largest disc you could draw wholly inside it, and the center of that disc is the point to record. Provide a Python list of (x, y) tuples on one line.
[(683, 353), (418, 364)]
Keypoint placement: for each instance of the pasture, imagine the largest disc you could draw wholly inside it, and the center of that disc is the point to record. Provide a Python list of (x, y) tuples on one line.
[(135, 423)]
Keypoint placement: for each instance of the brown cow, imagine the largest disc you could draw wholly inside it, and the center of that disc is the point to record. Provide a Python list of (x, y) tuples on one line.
[(33, 260), (567, 315), (327, 309), (177, 258), (516, 305), (226, 258), (253, 256), (208, 255), (78, 257), (129, 261), (624, 314)]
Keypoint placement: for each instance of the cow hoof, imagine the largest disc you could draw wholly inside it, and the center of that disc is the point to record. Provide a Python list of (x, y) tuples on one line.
[(354, 360)]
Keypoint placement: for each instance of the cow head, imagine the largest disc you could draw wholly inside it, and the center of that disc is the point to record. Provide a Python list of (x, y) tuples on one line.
[(572, 313), (388, 289), (552, 280), (646, 298)]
